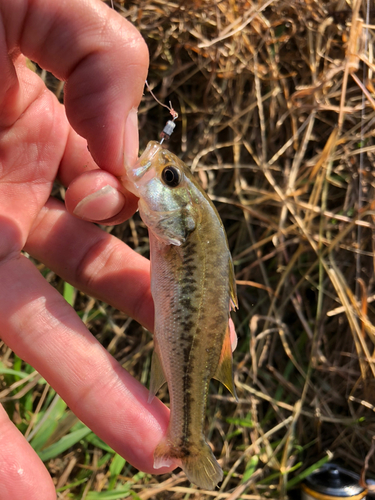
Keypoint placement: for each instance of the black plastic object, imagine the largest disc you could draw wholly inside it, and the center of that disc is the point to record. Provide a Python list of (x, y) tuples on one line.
[(333, 481)]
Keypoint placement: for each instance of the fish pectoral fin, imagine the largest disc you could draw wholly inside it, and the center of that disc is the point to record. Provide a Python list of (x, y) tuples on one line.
[(170, 227), (224, 371), (157, 376)]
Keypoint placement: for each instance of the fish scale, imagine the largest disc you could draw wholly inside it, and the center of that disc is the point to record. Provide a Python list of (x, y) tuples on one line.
[(193, 287)]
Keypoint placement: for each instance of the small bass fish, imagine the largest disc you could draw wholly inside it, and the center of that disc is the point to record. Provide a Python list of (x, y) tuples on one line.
[(193, 288)]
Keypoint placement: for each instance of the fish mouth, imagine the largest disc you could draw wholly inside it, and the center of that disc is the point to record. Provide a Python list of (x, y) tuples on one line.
[(145, 162), (136, 176), (132, 177), (139, 172)]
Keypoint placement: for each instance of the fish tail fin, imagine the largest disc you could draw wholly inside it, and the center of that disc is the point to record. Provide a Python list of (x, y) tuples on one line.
[(198, 463), (203, 469)]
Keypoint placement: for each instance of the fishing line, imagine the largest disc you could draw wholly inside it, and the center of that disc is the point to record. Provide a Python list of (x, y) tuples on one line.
[(170, 125)]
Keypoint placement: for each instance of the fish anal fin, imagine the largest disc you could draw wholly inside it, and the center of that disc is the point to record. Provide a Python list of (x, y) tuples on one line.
[(157, 376), (164, 455), (224, 371)]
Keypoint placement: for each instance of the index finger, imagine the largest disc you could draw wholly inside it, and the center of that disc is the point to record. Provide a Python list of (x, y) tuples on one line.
[(102, 57)]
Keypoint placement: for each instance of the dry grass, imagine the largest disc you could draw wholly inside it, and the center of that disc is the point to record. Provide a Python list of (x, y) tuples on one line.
[(276, 118)]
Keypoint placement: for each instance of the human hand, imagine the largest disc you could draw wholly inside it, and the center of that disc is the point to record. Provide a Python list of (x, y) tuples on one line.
[(104, 61)]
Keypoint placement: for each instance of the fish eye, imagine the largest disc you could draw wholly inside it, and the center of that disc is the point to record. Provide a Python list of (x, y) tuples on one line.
[(171, 176)]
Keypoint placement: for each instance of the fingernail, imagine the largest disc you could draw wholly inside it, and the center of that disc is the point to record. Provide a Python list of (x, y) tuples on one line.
[(100, 205), (131, 140), (233, 335)]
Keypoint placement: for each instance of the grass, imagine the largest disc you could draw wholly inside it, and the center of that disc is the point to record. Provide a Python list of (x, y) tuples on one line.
[(276, 119)]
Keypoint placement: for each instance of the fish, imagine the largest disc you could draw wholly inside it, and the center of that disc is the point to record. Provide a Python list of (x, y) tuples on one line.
[(193, 287)]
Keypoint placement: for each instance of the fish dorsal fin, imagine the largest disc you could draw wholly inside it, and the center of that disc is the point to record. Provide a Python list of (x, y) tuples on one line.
[(157, 376), (224, 371), (232, 286)]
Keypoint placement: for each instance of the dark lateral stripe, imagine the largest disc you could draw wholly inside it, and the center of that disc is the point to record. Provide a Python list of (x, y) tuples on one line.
[(191, 409), (186, 432)]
